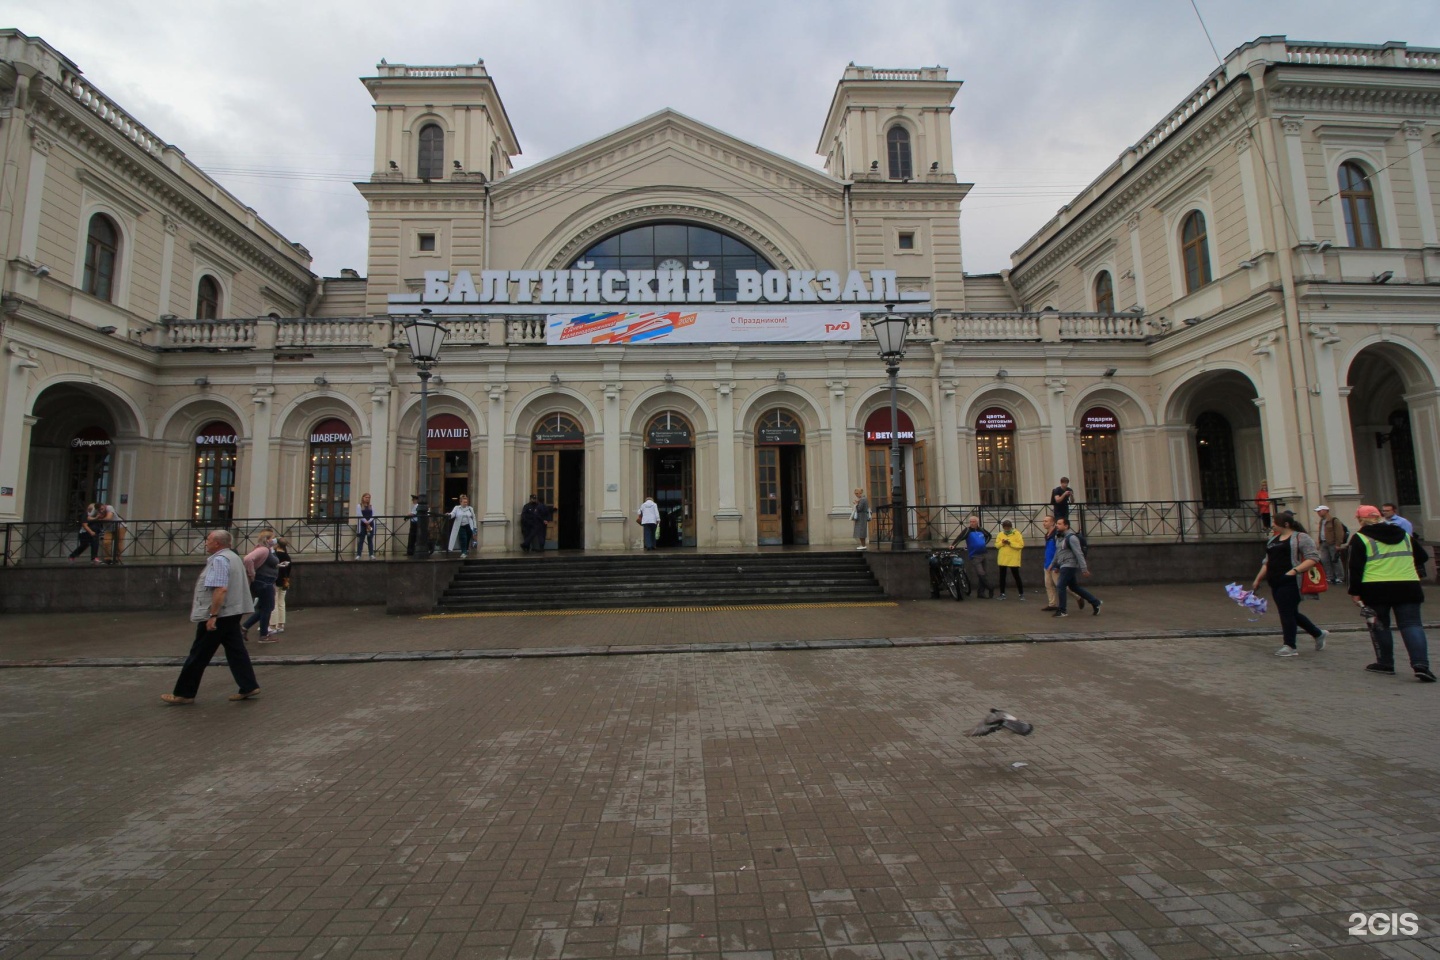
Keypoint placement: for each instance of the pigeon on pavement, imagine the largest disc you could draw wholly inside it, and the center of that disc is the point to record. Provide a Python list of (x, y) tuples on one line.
[(1000, 720)]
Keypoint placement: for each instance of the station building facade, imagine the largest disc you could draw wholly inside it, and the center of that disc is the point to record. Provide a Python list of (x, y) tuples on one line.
[(1250, 292)]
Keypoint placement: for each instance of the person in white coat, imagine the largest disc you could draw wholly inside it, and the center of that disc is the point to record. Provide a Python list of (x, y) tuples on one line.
[(648, 516), (462, 527)]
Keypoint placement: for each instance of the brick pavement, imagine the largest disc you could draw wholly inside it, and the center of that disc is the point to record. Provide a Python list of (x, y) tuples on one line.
[(1181, 798)]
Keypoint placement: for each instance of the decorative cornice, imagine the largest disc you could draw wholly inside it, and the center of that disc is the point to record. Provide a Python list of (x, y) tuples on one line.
[(70, 120), (1147, 177)]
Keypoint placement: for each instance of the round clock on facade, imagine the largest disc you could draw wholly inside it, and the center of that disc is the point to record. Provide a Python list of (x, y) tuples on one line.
[(671, 264)]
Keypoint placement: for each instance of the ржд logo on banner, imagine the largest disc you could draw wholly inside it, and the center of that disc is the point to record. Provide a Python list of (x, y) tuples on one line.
[(701, 326)]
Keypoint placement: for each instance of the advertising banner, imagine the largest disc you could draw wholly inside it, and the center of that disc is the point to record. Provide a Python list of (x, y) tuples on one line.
[(702, 326)]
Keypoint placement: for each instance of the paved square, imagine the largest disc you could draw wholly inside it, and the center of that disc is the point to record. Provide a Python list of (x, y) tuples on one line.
[(1179, 798)]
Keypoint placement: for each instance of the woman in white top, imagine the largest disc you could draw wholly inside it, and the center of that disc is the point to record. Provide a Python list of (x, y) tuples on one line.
[(463, 528)]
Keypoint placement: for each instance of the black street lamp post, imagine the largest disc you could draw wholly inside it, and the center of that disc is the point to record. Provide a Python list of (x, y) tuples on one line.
[(425, 336), (890, 332)]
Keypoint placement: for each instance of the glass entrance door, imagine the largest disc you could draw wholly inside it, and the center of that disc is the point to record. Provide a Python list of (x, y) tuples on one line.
[(670, 479)]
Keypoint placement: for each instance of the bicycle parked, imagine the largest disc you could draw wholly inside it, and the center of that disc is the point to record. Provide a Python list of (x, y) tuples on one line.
[(947, 573)]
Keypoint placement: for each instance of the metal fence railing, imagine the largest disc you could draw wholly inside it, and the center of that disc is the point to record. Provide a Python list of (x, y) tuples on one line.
[(159, 540), (1170, 521)]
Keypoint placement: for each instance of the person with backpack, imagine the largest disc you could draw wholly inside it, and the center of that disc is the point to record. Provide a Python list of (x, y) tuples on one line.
[(1330, 538), (1070, 549), (976, 541)]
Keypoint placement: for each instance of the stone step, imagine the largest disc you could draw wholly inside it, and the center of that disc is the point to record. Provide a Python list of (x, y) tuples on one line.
[(658, 579)]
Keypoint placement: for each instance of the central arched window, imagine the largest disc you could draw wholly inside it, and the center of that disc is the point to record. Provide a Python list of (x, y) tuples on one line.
[(432, 152), (1357, 197), (897, 142), (1104, 293), (1195, 251), (102, 246), (676, 246), (1215, 457), (207, 299)]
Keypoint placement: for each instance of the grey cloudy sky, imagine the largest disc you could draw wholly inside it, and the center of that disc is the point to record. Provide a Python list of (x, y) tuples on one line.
[(265, 95)]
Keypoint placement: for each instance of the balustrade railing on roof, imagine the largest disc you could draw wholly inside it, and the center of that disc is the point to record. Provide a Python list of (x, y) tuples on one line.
[(997, 326), (1107, 326), (206, 334), (324, 333), (107, 110), (525, 329), (1192, 105)]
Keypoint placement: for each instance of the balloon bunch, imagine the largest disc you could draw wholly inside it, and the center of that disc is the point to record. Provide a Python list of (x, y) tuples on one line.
[(1248, 599)]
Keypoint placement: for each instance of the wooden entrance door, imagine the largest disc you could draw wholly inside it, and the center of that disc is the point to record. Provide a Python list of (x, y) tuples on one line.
[(767, 494)]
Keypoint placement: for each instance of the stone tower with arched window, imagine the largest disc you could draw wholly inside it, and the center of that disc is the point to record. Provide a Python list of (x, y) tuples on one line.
[(887, 134), (441, 137)]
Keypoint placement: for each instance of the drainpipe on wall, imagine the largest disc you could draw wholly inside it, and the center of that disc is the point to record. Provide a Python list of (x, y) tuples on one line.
[(849, 230)]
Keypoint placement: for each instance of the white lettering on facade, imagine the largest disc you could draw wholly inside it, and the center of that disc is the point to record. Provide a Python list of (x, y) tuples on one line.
[(587, 285), (330, 438)]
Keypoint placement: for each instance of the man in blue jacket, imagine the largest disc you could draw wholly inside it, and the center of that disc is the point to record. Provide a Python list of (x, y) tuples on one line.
[(977, 541)]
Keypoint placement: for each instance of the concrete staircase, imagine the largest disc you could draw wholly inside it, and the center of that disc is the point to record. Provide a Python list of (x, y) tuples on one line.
[(663, 578)]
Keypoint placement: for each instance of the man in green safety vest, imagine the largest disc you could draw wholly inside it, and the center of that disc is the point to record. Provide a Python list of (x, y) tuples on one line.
[(1383, 579)]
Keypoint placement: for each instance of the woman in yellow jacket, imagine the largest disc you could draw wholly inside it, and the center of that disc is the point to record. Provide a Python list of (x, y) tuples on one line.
[(1008, 546)]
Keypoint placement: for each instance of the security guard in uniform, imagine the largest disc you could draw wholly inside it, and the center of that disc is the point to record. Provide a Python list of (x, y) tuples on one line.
[(1383, 578)]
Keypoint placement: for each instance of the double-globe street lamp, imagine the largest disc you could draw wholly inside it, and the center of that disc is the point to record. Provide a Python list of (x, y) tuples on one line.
[(890, 331), (425, 336)]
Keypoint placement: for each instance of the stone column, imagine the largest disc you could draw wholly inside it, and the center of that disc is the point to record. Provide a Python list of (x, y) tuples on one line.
[(258, 504), (380, 447), (1245, 160), (613, 515), (1424, 207), (34, 193), (15, 430), (1059, 433), (1334, 425), (727, 512), (1299, 186), (839, 450), (1137, 260), (950, 449), (1274, 435), (1424, 407), (495, 524), (167, 263)]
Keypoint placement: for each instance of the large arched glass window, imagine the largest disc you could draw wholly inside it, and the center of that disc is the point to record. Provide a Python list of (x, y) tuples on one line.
[(897, 142), (1195, 251), (207, 299), (1357, 197), (432, 152), (1104, 293), (675, 246), (102, 248), (1215, 456)]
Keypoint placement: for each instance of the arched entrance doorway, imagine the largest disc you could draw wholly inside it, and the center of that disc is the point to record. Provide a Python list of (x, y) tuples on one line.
[(330, 462), (914, 467), (1384, 380), (670, 477), (216, 453), (780, 503), (73, 453), (1100, 455), (995, 457), (1219, 450), (447, 443), (558, 475)]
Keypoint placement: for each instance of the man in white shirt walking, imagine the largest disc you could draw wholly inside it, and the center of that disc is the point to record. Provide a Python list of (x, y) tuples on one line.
[(648, 516)]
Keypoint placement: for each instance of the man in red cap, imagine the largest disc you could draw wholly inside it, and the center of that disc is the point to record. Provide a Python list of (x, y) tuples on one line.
[(1383, 579)]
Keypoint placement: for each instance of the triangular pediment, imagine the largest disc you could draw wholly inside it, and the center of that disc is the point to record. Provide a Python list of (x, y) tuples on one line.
[(669, 135)]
